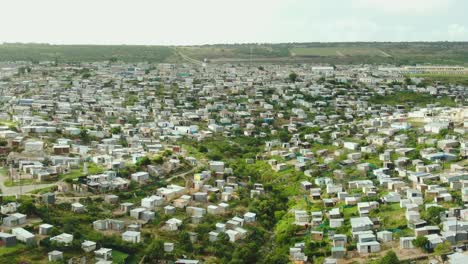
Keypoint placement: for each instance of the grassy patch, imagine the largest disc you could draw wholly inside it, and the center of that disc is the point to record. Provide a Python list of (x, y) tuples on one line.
[(8, 123), (10, 250), (3, 171), (118, 257), (408, 98), (337, 51), (350, 211), (75, 173), (10, 183), (391, 216)]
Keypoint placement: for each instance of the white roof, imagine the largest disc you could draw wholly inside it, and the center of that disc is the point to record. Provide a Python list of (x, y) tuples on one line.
[(103, 250), (87, 243), (131, 233)]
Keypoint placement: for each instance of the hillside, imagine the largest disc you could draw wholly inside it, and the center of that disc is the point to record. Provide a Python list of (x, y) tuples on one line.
[(333, 53)]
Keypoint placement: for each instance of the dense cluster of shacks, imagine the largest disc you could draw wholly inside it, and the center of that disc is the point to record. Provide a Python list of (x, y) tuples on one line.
[(63, 118)]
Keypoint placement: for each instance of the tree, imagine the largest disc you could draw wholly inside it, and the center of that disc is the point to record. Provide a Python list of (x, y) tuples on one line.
[(202, 149), (432, 214), (143, 162), (155, 252), (284, 136), (443, 249), (421, 242), (84, 136), (293, 77), (167, 153), (27, 207), (390, 258), (159, 160), (185, 242), (408, 81), (116, 130)]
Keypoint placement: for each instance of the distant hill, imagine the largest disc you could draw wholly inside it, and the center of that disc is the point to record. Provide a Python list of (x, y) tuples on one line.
[(81, 53), (333, 53)]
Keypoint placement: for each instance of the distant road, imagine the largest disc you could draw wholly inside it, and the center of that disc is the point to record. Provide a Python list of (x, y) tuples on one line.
[(187, 58), (14, 190)]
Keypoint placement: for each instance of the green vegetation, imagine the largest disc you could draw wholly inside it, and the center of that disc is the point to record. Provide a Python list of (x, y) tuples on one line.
[(421, 242), (432, 214), (119, 257), (10, 183), (130, 100), (411, 98), (75, 173), (292, 77), (338, 51), (408, 53), (78, 53), (390, 258), (9, 250), (391, 215), (443, 248)]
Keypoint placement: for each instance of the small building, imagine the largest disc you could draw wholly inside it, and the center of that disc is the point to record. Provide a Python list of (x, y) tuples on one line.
[(168, 247), (88, 246), (368, 247), (213, 236), (14, 220), (407, 242), (64, 238), (48, 198), (131, 236), (339, 240), (78, 208), (250, 217), (217, 166), (137, 212), (316, 235), (24, 236), (111, 198), (126, 207), (338, 252), (200, 196), (169, 209), (7, 240), (45, 229), (103, 254), (361, 224), (55, 256), (384, 236), (140, 176)]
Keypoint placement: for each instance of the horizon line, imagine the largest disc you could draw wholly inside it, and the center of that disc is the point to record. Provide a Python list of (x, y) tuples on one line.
[(227, 43)]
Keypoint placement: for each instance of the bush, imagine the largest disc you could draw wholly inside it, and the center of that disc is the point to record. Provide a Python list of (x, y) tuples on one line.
[(421, 242), (390, 258)]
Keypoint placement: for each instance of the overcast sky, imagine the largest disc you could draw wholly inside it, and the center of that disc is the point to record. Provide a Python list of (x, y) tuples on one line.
[(185, 22)]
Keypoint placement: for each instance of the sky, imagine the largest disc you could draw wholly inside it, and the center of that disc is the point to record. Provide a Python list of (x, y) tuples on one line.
[(196, 22)]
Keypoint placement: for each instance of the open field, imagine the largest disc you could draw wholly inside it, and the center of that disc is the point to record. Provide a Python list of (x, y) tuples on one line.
[(443, 78), (337, 51), (405, 98)]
